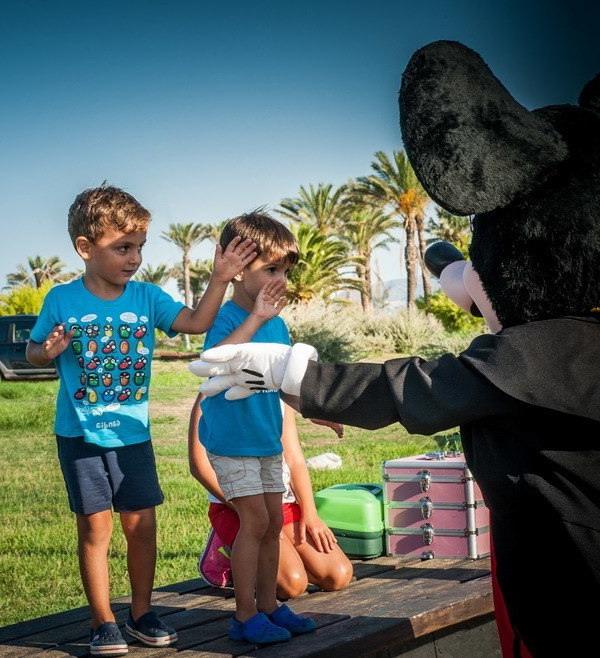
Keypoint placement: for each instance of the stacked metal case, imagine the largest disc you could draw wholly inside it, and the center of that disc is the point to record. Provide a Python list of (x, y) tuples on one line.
[(434, 508)]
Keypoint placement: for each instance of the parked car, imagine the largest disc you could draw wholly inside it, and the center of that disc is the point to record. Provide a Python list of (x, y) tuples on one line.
[(14, 334)]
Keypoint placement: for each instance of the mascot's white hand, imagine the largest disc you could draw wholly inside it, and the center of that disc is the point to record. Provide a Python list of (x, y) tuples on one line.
[(249, 367)]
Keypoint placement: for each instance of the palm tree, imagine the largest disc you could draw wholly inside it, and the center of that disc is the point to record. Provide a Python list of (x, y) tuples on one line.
[(320, 269), (185, 237), (367, 229), (213, 231), (40, 270), (158, 275), (395, 185), (321, 206), (452, 228), (200, 271)]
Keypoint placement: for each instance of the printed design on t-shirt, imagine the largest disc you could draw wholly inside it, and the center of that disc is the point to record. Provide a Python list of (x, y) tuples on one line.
[(113, 360)]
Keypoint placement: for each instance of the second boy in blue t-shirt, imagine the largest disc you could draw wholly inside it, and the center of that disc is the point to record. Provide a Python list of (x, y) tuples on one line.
[(243, 438)]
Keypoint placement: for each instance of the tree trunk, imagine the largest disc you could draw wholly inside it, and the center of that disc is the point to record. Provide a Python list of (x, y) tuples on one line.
[(411, 258), (187, 292), (366, 295), (422, 246)]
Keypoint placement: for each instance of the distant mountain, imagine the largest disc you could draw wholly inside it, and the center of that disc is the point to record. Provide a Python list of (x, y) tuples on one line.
[(395, 293)]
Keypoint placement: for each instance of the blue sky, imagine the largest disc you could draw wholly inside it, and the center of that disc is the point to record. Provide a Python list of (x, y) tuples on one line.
[(204, 112)]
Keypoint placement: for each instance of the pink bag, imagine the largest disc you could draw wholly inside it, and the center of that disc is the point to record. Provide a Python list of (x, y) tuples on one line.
[(214, 563)]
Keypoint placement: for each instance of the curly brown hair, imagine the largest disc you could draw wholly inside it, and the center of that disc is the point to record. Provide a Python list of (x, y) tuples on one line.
[(98, 209)]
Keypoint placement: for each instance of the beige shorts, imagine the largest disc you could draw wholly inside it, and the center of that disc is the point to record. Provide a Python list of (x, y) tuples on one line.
[(248, 476)]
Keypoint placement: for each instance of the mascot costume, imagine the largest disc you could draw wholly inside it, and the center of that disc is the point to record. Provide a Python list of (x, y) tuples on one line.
[(527, 395)]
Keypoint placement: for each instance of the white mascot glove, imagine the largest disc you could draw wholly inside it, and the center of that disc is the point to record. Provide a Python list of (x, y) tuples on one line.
[(249, 367)]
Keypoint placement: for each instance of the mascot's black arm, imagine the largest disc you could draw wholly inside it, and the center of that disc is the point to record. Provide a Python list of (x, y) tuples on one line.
[(424, 396)]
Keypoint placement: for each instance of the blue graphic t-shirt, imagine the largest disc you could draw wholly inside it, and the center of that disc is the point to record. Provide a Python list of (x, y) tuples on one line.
[(105, 371), (249, 427)]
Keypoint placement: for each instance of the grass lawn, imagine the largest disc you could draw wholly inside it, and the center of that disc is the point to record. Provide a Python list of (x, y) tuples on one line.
[(38, 559)]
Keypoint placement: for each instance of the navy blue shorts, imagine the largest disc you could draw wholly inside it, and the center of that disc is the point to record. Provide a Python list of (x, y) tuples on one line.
[(98, 478)]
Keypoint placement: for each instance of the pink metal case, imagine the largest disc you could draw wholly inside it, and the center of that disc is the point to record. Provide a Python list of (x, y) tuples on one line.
[(434, 508)]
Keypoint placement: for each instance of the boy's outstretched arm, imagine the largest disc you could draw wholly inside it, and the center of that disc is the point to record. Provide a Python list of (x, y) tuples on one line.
[(57, 341), (226, 265), (424, 396)]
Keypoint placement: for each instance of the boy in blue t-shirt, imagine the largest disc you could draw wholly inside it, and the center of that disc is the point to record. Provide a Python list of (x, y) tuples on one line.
[(243, 438), (99, 329)]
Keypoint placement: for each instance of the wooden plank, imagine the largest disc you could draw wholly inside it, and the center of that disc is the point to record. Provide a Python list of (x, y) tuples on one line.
[(418, 596), (388, 610), (185, 586), (470, 600), (373, 567), (195, 634), (200, 641), (221, 646), (360, 596), (355, 636), (195, 585), (31, 626), (180, 610)]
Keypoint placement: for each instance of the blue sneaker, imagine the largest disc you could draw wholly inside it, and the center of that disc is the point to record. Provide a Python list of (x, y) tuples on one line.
[(257, 630), (106, 640), (295, 624), (151, 630)]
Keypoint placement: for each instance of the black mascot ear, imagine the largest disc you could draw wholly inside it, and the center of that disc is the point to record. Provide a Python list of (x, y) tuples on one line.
[(590, 95), (472, 146)]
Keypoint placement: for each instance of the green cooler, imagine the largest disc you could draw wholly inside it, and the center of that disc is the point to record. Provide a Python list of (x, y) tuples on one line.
[(354, 512)]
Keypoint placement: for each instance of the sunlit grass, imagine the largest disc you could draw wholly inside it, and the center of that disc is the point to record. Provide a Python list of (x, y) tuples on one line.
[(38, 562)]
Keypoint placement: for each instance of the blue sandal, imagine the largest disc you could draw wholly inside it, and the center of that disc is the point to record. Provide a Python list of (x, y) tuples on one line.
[(259, 629), (295, 624)]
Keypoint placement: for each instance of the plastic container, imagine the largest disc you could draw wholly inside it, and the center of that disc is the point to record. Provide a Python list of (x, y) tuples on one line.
[(354, 512)]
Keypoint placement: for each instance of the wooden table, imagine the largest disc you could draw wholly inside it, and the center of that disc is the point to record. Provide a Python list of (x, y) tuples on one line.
[(393, 607)]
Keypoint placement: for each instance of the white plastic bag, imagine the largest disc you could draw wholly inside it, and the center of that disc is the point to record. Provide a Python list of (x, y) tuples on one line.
[(325, 461)]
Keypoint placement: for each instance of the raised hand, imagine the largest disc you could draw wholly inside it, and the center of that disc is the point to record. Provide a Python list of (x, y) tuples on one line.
[(270, 300), (57, 341), (234, 259)]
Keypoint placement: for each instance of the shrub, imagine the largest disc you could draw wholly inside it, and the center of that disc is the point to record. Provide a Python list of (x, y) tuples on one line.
[(452, 316), (331, 328), (24, 299), (343, 332)]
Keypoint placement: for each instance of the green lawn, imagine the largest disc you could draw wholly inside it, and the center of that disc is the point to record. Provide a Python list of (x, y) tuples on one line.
[(38, 561)]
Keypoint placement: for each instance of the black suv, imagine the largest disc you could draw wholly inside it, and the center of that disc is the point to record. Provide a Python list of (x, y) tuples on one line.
[(14, 334)]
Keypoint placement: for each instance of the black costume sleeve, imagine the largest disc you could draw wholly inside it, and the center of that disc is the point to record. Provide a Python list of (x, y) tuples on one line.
[(425, 396)]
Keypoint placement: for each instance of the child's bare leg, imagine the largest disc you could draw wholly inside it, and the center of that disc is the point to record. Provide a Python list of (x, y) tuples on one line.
[(140, 531), (330, 571), (254, 521), (93, 534), (292, 578), (268, 556)]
